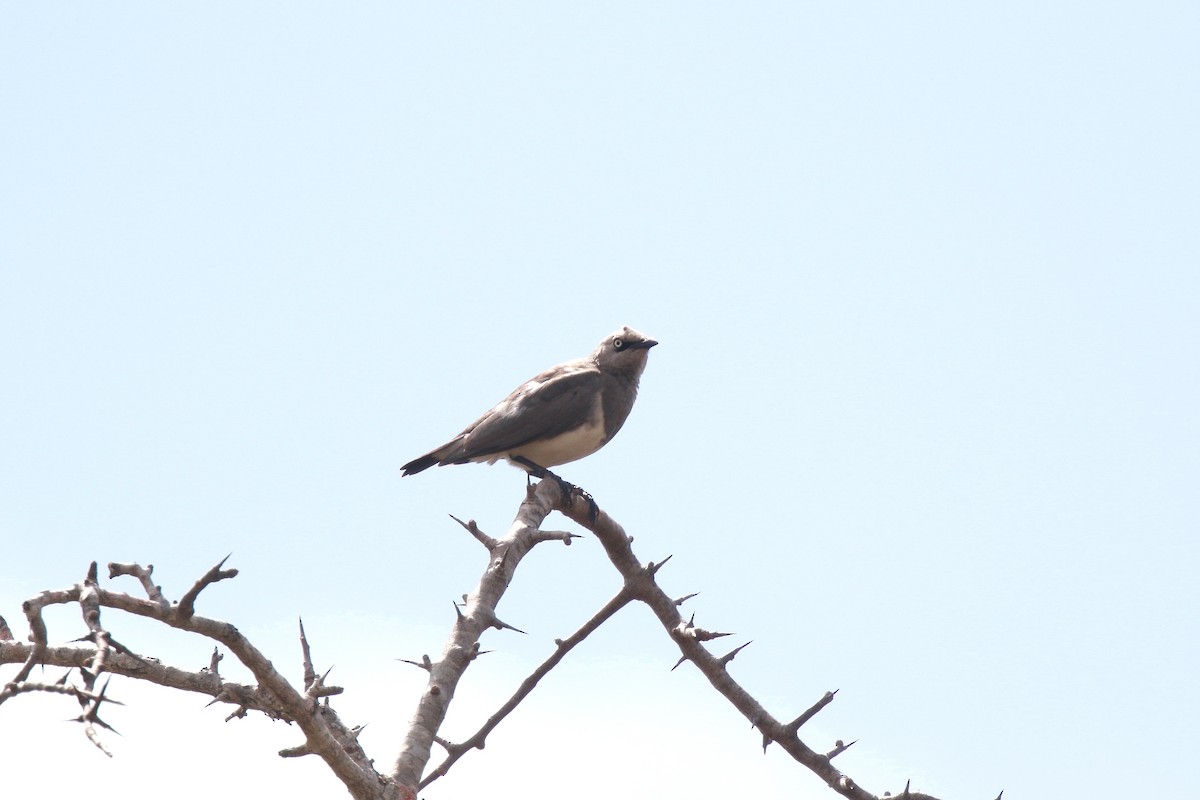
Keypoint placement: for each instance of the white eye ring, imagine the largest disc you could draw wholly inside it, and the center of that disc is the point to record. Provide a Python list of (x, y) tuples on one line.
[(618, 342)]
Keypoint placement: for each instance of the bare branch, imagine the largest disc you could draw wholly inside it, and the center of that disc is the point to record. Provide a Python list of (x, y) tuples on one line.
[(478, 614), (795, 724), (564, 646), (565, 537), (58, 687), (325, 734), (474, 530), (187, 603), (215, 662), (617, 545), (144, 575)]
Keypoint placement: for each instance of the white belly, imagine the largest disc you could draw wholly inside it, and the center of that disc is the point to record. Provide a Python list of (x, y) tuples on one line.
[(570, 446)]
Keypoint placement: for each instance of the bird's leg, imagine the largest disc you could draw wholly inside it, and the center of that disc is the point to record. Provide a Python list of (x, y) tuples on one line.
[(568, 488), (536, 470)]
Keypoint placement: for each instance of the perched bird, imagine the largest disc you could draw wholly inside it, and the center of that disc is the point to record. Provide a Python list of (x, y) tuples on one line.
[(565, 413)]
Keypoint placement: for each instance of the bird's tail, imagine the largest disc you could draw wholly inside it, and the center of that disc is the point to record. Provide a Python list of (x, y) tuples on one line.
[(418, 464)]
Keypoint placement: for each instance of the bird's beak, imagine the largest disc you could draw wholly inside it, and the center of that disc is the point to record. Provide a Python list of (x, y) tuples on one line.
[(645, 345)]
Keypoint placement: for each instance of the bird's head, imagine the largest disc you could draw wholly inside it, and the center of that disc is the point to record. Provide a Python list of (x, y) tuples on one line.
[(624, 351)]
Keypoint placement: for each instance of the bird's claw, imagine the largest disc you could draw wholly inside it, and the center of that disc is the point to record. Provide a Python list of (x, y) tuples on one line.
[(593, 509), (566, 486)]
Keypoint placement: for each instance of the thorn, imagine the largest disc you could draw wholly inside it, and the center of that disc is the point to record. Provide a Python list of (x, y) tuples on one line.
[(96, 719), (425, 663), (680, 601), (702, 635), (653, 568), (102, 699), (680, 661), (499, 624), (458, 612), (732, 654), (120, 648), (306, 662)]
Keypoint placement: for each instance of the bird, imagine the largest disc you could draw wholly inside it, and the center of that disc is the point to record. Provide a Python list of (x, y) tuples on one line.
[(561, 415)]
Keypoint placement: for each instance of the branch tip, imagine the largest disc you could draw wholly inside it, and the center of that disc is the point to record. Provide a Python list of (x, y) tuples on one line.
[(473, 528), (839, 747), (187, 604), (825, 700)]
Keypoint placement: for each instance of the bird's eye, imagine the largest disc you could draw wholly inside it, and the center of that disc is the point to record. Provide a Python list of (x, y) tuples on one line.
[(618, 343)]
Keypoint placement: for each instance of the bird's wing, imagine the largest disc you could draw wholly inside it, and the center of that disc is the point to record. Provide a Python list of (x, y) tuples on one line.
[(554, 402)]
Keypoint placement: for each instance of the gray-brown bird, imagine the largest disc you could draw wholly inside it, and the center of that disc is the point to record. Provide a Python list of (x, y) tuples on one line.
[(563, 414)]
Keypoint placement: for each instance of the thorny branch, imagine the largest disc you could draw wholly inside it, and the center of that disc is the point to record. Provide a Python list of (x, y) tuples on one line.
[(325, 734), (640, 581), (564, 646)]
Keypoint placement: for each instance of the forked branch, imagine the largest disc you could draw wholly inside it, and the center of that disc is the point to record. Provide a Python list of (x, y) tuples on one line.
[(325, 734)]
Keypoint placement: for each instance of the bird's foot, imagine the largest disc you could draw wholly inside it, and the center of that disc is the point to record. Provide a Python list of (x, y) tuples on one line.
[(593, 509), (568, 488)]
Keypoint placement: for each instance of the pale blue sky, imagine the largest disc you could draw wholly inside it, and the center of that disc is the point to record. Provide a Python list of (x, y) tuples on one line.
[(923, 423)]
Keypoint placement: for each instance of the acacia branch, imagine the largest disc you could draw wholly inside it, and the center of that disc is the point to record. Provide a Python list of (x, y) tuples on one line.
[(564, 646), (477, 615), (640, 581), (325, 734)]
